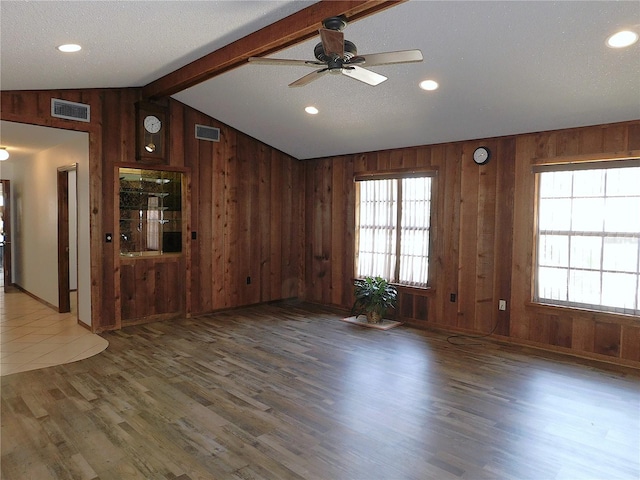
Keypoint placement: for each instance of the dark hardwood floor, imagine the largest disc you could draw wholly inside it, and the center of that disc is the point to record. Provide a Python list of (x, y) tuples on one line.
[(291, 392)]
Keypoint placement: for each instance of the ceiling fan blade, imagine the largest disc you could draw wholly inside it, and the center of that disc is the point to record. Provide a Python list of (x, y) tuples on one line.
[(283, 61), (404, 56), (364, 75), (332, 42), (310, 77)]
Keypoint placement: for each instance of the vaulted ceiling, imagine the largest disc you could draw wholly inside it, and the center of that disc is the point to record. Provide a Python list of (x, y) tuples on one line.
[(503, 67)]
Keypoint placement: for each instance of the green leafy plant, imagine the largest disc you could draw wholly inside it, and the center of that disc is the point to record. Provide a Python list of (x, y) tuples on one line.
[(374, 297)]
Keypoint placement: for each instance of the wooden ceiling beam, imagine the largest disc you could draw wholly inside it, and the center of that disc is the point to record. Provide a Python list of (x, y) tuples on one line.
[(284, 33)]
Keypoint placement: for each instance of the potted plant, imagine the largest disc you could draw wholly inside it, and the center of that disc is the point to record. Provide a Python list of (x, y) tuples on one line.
[(374, 296)]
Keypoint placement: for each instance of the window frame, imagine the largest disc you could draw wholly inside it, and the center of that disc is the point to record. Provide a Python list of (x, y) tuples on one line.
[(536, 299), (398, 175)]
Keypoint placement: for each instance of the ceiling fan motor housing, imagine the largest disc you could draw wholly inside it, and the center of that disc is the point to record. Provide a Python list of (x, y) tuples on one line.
[(350, 51)]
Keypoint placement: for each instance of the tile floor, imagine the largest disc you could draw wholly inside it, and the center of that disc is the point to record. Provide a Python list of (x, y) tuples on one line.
[(34, 336)]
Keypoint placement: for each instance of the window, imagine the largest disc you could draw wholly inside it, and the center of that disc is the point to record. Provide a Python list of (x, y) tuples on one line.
[(393, 229), (588, 237)]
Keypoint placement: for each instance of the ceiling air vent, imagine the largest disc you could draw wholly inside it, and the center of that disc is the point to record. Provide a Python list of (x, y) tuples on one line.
[(70, 110), (211, 134)]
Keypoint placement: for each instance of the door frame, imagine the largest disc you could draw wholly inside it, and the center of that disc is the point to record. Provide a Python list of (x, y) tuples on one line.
[(64, 291), (6, 257)]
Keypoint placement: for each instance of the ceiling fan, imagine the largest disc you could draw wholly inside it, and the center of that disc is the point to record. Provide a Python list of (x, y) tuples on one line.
[(336, 55)]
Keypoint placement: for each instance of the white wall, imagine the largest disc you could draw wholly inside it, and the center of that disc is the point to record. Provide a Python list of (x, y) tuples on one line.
[(35, 224), (6, 170)]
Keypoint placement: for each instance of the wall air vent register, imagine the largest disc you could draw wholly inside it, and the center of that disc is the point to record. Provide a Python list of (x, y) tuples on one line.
[(70, 110), (204, 132)]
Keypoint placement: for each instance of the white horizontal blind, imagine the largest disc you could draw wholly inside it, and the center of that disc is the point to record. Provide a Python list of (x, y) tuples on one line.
[(414, 231), (588, 239), (377, 232), (393, 229)]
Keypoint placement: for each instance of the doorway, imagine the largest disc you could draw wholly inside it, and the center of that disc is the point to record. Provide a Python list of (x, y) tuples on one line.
[(39, 152), (5, 235), (67, 236)]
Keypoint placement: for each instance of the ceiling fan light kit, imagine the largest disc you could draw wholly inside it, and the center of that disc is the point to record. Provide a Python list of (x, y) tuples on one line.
[(336, 55)]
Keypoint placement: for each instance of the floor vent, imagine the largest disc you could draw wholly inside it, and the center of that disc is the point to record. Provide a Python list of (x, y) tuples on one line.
[(70, 110), (211, 134)]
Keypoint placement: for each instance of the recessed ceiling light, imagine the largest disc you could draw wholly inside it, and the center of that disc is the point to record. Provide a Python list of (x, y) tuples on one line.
[(4, 154), (69, 48), (311, 110), (622, 39), (429, 85)]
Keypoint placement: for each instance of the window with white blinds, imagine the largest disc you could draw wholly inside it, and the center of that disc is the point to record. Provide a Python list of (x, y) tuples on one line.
[(588, 236), (393, 229)]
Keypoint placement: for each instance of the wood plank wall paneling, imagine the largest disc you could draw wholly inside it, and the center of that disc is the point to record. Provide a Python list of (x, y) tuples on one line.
[(201, 158), (313, 257), (469, 259), (246, 207), (289, 225), (630, 343), (153, 279), (504, 237), (291, 217), (273, 283), (181, 120), (634, 136), (263, 223), (247, 213), (445, 243), (482, 239), (117, 119)]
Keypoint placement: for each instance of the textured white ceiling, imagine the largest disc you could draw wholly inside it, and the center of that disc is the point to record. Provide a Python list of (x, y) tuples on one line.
[(125, 43), (504, 67)]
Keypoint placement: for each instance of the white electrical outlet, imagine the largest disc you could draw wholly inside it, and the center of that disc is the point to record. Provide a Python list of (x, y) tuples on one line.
[(502, 305)]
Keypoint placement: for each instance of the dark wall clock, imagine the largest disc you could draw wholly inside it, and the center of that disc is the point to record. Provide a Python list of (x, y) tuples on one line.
[(481, 155), (152, 133)]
